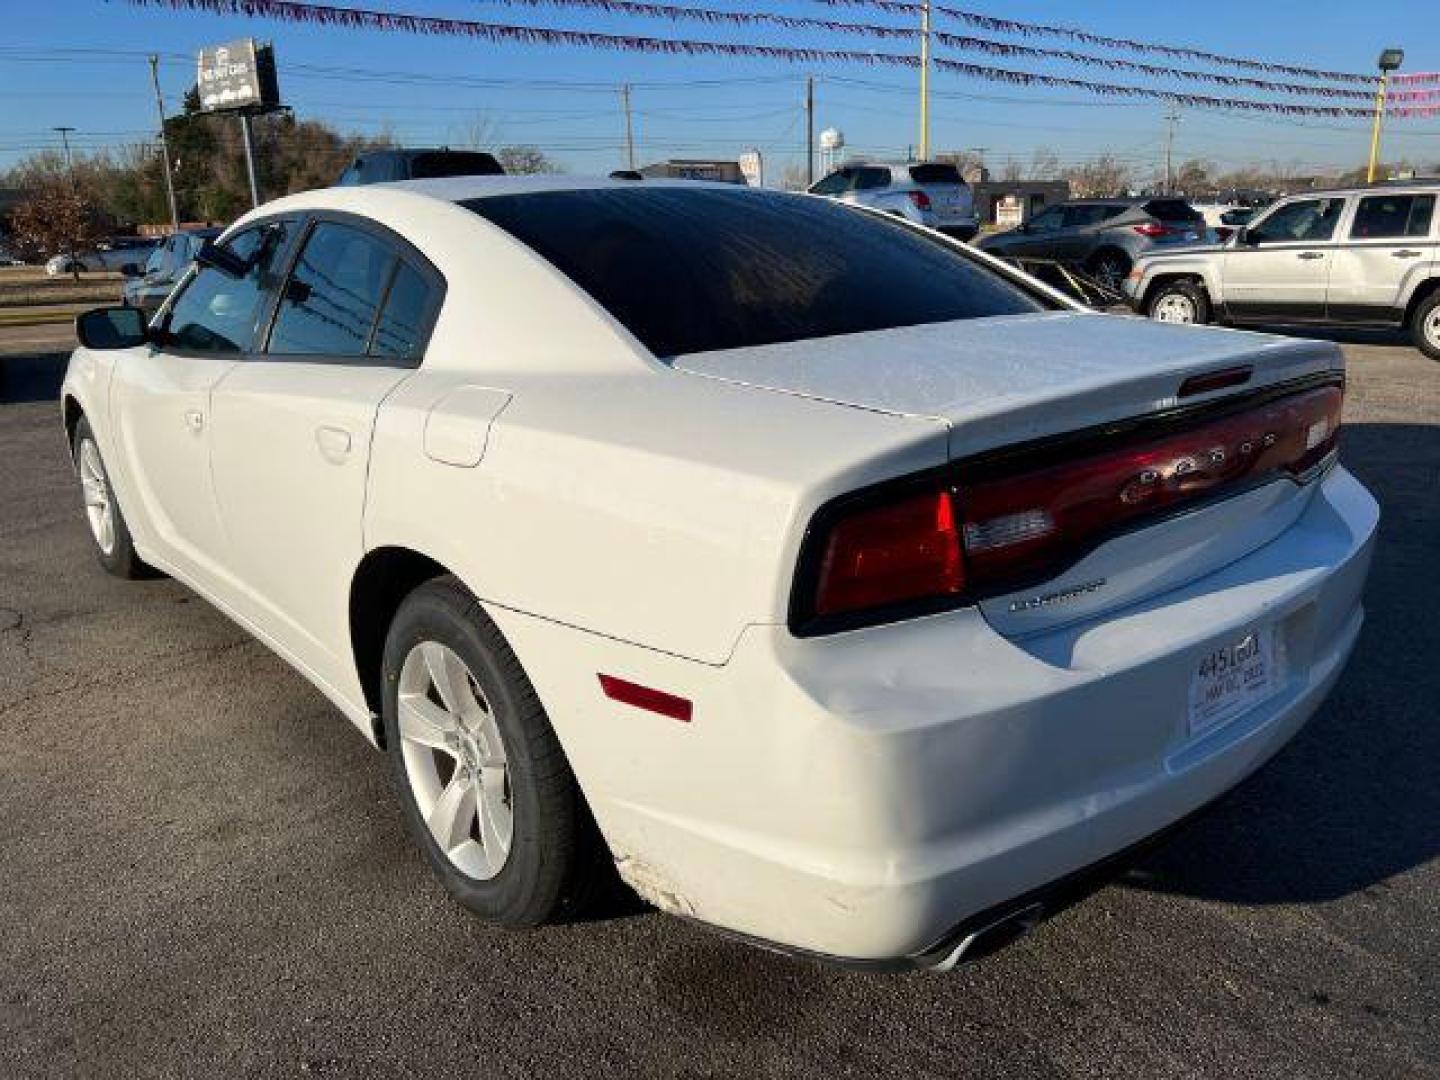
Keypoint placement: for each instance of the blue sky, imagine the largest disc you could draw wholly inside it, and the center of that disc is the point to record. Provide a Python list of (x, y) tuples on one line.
[(426, 90)]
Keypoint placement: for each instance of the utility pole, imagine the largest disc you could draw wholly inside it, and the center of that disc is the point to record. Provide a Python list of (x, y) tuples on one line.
[(925, 81), (810, 131), (249, 158), (629, 127), (1390, 60), (979, 152), (164, 146), (65, 138), (1171, 118)]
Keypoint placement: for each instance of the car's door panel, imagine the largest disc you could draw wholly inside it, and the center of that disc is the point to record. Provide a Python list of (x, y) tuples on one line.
[(1284, 273), (1389, 244), (160, 404), (291, 435)]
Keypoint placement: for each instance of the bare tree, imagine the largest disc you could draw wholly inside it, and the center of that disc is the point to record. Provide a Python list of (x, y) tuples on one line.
[(1012, 172), (1044, 165), (1102, 176), (525, 160), (56, 218)]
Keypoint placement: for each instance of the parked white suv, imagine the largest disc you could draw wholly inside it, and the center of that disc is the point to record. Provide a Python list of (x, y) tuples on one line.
[(929, 193), (1360, 256)]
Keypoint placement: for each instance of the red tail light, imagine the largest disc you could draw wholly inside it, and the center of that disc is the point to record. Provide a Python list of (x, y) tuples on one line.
[(920, 199), (988, 528), (1152, 229), (886, 554)]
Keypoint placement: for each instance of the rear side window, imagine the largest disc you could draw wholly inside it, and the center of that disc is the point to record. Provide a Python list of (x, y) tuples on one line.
[(1172, 210), (871, 179), (400, 333), (1383, 216), (833, 184), (697, 270), (453, 163), (936, 174), (1077, 217), (329, 305)]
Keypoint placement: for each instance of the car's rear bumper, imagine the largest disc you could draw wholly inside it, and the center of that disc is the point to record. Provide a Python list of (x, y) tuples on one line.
[(870, 795)]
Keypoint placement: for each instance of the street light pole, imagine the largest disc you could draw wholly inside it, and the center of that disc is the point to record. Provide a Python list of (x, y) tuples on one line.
[(65, 139), (164, 145), (1172, 118), (925, 81), (1390, 60)]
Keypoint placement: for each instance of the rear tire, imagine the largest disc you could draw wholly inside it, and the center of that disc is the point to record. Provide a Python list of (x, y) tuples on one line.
[(1179, 302), (114, 546), (485, 788), (1425, 326)]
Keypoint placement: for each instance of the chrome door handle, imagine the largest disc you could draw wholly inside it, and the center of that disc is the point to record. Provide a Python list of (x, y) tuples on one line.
[(1406, 254), (1311, 255), (194, 419), (334, 443)]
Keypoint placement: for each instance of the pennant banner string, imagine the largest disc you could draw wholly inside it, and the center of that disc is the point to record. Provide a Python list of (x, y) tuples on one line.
[(1070, 33), (360, 18)]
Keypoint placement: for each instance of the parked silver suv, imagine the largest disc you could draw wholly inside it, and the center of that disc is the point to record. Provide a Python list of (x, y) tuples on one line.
[(929, 193), (1367, 256)]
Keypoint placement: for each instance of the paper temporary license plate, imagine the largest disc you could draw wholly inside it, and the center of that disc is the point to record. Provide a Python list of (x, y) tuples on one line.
[(1233, 678)]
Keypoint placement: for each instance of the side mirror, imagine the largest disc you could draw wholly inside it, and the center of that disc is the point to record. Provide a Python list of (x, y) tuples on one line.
[(219, 258), (111, 328), (130, 270)]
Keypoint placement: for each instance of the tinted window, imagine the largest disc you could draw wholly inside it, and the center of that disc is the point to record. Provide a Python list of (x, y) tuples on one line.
[(1077, 217), (1308, 219), (696, 270), (870, 179), (1049, 221), (328, 306), (399, 333), (217, 313), (1172, 210), (936, 174), (453, 163), (833, 184), (1392, 216)]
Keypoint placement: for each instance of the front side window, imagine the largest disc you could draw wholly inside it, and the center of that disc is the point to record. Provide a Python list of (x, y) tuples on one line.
[(215, 312), (696, 270), (1049, 221), (328, 306), (1305, 220), (1392, 216)]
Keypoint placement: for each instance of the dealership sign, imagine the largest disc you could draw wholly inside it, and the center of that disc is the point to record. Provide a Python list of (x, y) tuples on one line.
[(238, 75)]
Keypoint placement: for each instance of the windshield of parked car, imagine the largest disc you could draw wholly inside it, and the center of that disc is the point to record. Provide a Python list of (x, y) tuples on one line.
[(700, 269)]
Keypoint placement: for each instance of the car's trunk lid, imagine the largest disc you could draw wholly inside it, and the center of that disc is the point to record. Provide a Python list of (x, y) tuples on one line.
[(1003, 382)]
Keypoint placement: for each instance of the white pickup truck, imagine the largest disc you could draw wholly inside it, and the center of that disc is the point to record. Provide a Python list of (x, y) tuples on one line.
[(1367, 256)]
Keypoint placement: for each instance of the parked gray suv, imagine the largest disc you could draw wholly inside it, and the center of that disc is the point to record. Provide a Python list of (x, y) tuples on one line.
[(147, 288), (1366, 256), (1101, 236)]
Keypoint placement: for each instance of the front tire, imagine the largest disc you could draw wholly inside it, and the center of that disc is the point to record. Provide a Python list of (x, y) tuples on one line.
[(114, 546), (1425, 326), (1179, 302), (486, 790)]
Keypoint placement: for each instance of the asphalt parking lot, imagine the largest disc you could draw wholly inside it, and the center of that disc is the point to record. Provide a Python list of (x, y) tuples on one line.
[(203, 872)]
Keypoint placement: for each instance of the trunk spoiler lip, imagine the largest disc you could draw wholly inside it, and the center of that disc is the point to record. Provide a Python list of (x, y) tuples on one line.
[(1018, 457)]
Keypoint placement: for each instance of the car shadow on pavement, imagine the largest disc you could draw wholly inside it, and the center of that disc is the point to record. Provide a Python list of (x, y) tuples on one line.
[(32, 378), (1353, 800)]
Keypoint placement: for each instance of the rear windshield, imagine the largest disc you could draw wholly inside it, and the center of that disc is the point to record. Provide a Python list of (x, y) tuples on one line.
[(1172, 210), (936, 174), (453, 163), (697, 270)]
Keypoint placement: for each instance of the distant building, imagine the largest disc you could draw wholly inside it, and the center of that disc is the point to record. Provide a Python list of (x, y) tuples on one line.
[(724, 172), (1007, 203)]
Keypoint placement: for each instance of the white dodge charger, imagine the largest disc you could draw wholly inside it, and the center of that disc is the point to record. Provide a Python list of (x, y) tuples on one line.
[(849, 591)]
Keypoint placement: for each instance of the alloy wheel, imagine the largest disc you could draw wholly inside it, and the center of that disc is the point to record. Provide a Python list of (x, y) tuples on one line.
[(1174, 308), (455, 760), (99, 506)]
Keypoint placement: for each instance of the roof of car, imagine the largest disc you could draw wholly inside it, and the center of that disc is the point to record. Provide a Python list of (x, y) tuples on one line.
[(461, 188), (1424, 183)]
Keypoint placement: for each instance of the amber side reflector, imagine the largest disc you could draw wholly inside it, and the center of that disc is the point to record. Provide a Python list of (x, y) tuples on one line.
[(644, 697), (1215, 380)]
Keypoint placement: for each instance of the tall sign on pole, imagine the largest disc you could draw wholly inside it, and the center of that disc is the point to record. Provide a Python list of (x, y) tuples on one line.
[(239, 77)]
